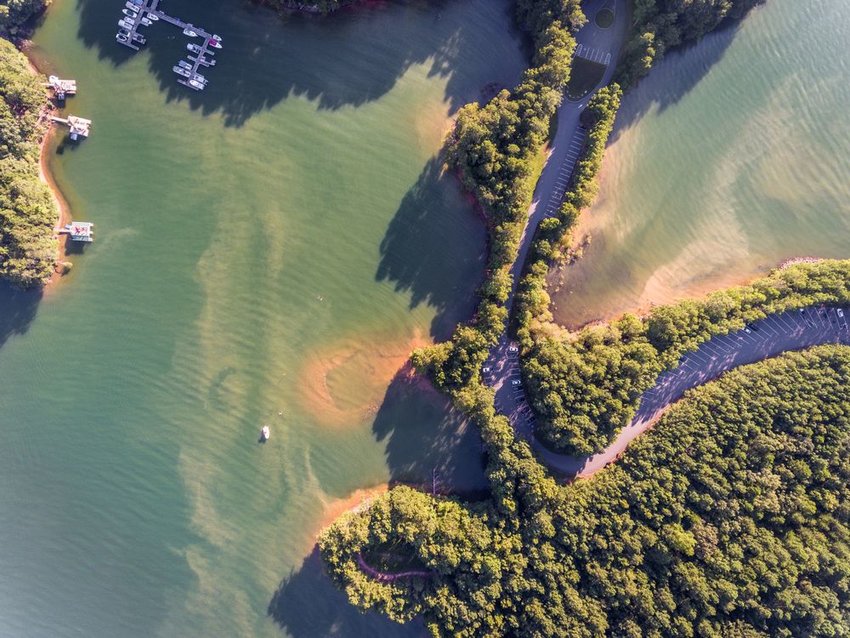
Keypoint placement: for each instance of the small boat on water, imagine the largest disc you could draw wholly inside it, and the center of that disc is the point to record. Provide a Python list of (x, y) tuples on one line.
[(216, 44), (188, 31), (181, 71), (198, 86), (185, 64), (265, 433), (129, 13), (194, 48)]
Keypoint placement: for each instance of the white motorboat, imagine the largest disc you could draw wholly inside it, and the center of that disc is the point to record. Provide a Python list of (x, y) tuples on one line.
[(125, 24), (146, 22), (215, 44), (129, 13), (152, 16), (194, 48), (139, 38), (181, 71), (265, 433), (131, 5), (184, 64), (188, 31), (120, 37)]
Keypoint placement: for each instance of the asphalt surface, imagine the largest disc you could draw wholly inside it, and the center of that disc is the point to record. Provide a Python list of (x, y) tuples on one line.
[(599, 45), (777, 334)]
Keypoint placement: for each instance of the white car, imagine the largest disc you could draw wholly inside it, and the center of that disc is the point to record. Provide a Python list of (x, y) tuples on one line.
[(841, 313), (513, 349), (485, 369), (516, 382)]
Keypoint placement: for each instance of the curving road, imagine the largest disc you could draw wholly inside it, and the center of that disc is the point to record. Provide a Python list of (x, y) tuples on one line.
[(775, 335)]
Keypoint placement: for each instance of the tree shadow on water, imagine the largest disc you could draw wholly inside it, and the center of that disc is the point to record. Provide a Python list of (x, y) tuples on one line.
[(674, 77), (435, 249), (347, 59), (308, 605), (17, 310), (428, 444)]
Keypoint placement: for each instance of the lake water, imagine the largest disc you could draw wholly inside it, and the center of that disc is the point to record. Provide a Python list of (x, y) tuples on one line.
[(267, 252), (731, 157)]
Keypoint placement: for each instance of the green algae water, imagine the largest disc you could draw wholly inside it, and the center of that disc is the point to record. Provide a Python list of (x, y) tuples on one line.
[(266, 252), (731, 157)]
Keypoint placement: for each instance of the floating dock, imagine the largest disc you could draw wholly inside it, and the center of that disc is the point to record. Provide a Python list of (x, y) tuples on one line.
[(139, 13), (61, 87), (79, 231), (79, 126)]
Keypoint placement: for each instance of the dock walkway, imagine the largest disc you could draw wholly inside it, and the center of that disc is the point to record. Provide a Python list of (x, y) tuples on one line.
[(148, 10)]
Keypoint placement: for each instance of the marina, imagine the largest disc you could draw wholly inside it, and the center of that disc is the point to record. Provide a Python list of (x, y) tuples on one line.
[(139, 13)]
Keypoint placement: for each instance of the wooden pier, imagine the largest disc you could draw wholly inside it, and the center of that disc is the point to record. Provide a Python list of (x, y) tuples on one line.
[(140, 13), (61, 87), (79, 126)]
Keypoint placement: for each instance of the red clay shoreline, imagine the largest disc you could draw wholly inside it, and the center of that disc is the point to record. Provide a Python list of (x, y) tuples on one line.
[(62, 206)]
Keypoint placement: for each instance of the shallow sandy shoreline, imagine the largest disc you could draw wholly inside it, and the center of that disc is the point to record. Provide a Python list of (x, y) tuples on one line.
[(62, 207)]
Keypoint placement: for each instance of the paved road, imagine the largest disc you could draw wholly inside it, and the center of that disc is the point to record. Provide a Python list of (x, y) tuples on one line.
[(793, 330), (599, 45)]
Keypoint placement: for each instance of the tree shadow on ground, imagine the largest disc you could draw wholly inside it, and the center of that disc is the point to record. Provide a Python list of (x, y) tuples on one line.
[(308, 605), (17, 310), (346, 59), (428, 444), (674, 77), (435, 249)]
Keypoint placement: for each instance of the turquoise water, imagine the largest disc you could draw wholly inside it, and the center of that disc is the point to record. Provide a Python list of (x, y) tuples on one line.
[(731, 157), (266, 252)]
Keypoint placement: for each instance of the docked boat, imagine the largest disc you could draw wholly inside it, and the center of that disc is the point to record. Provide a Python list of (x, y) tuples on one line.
[(188, 31), (121, 37), (184, 64), (198, 86), (152, 16), (139, 38), (194, 48), (216, 44), (125, 24), (146, 22), (132, 5), (129, 13), (179, 70), (265, 433)]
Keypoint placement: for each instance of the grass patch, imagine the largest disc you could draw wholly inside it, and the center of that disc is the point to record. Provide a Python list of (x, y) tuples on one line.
[(584, 77), (604, 18)]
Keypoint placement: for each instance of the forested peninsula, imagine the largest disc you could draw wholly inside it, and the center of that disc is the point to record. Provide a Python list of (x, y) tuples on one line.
[(728, 519), (28, 212)]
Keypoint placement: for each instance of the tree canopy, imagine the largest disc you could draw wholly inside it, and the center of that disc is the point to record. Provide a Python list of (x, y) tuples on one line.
[(27, 210), (729, 518)]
